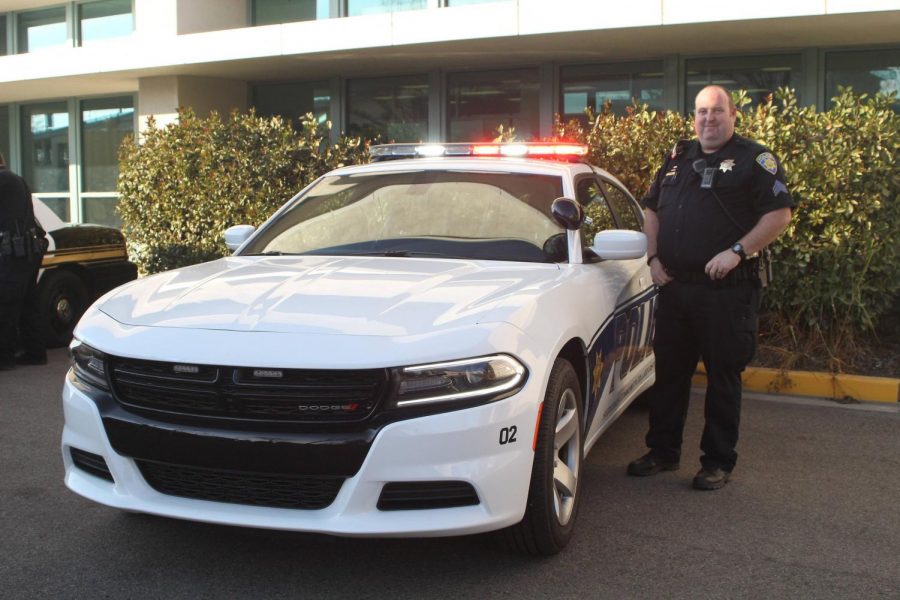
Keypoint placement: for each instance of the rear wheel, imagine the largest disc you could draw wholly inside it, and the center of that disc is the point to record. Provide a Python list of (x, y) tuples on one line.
[(62, 299), (554, 494)]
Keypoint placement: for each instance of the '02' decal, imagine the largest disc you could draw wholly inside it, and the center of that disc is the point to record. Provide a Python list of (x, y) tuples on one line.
[(508, 435)]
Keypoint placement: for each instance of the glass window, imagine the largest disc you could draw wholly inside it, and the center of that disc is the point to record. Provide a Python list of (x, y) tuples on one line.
[(465, 214), (598, 216), (478, 103), (759, 75), (104, 124), (101, 211), (60, 206), (4, 133), (45, 146), (293, 100), (395, 108), (104, 20), (625, 208), (3, 41), (370, 7), (42, 29), (589, 86), (868, 72), (268, 12)]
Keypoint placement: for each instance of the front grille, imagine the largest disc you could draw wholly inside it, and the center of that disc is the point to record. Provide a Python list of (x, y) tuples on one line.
[(241, 487), (246, 393), (91, 463), (418, 495)]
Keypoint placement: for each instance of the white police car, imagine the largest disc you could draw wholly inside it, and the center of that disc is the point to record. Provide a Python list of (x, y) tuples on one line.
[(413, 347)]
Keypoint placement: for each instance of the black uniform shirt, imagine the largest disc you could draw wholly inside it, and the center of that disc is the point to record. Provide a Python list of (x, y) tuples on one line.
[(693, 227), (16, 210)]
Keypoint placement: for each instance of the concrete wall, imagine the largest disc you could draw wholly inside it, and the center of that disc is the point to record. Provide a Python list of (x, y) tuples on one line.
[(155, 18), (196, 16), (161, 97), (164, 18)]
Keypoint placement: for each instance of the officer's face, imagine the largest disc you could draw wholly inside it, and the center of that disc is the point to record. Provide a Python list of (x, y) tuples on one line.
[(713, 119)]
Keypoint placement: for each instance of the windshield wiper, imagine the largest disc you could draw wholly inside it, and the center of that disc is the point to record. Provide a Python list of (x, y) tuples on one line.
[(404, 254), (271, 253)]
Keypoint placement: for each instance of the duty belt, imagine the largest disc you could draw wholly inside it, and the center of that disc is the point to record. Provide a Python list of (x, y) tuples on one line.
[(746, 271)]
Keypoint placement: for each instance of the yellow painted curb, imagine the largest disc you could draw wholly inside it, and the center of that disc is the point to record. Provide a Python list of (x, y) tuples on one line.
[(835, 386)]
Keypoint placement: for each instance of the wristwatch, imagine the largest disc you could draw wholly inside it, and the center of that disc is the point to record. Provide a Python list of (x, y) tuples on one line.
[(738, 248)]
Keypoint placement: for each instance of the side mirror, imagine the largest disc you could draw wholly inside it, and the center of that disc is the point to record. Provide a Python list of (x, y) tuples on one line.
[(567, 213), (237, 235), (619, 244)]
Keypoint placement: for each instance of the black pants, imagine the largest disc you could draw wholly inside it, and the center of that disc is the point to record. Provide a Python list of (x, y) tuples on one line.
[(719, 325), (19, 315)]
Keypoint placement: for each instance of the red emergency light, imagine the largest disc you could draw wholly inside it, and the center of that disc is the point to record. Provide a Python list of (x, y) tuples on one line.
[(553, 150)]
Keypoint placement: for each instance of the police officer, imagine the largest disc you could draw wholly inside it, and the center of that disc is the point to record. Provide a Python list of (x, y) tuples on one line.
[(22, 244), (716, 202)]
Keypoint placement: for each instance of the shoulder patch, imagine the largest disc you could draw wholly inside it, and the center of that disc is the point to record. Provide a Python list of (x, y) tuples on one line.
[(767, 162)]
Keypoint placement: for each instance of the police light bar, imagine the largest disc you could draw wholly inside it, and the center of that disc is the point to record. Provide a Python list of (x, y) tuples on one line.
[(559, 151)]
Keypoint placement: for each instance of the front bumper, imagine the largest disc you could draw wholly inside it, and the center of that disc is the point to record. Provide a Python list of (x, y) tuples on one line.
[(463, 445)]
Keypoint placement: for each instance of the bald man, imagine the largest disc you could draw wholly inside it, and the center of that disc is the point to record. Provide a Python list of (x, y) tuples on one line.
[(717, 201)]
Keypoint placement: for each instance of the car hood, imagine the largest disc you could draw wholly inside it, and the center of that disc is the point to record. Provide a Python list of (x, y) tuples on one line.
[(374, 296)]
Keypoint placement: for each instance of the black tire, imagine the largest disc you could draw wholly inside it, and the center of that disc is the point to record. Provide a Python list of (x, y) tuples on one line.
[(554, 494), (62, 299)]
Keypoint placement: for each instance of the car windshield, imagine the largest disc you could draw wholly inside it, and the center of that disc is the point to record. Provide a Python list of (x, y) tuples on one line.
[(438, 213)]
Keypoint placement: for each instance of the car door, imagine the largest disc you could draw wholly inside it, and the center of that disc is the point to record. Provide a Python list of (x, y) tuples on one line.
[(619, 352)]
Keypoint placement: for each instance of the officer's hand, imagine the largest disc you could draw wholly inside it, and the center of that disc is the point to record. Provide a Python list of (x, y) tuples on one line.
[(722, 264), (658, 273)]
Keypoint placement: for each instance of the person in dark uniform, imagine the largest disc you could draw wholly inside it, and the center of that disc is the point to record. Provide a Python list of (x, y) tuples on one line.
[(716, 202), (22, 244)]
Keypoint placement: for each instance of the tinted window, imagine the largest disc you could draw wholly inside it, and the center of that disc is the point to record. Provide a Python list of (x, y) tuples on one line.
[(395, 109), (4, 133), (590, 86), (625, 209), (45, 146), (598, 217), (104, 124), (293, 100), (104, 20), (867, 72), (478, 103), (3, 42), (42, 29), (368, 7), (267, 12), (758, 75)]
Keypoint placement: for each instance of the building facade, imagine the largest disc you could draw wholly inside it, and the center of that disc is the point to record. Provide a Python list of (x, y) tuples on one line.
[(77, 77)]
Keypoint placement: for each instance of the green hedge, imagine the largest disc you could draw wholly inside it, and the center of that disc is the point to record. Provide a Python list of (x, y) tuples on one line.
[(184, 184), (837, 269)]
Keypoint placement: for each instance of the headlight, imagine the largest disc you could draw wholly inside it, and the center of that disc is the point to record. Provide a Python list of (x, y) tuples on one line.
[(88, 364), (483, 379)]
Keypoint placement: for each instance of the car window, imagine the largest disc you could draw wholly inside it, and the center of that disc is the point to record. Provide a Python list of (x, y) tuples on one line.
[(465, 214), (623, 206), (598, 217)]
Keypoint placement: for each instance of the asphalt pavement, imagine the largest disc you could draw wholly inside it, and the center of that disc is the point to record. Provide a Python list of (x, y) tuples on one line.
[(811, 512)]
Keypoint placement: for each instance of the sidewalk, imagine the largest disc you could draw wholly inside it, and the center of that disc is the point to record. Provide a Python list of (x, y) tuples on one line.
[(831, 386)]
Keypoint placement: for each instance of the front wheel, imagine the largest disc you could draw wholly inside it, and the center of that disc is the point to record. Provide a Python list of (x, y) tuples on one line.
[(62, 298), (554, 494)]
